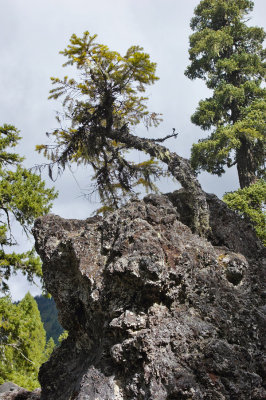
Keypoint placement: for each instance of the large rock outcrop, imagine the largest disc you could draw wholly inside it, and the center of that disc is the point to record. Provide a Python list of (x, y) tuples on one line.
[(154, 311)]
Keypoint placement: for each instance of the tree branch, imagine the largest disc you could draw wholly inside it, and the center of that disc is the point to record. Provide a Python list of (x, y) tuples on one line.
[(179, 168), (165, 138), (15, 347)]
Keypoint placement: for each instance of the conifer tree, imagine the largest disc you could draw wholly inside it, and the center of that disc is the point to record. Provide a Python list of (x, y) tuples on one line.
[(23, 197), (22, 342), (228, 55), (102, 107)]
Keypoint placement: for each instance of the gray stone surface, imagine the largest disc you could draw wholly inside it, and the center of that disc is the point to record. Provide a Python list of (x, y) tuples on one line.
[(8, 387), (10, 391), (153, 311)]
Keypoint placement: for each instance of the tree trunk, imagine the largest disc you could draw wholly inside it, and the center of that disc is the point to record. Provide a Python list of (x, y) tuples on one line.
[(180, 169), (246, 165)]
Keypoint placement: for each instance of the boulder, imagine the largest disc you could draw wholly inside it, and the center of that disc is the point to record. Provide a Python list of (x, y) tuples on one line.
[(154, 311), (8, 387), (11, 391)]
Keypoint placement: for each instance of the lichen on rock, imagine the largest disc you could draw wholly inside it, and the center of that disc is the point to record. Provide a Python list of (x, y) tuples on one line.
[(153, 311)]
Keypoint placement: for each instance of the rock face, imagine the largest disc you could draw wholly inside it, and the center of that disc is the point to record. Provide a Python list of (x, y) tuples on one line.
[(11, 391), (154, 311), (8, 387)]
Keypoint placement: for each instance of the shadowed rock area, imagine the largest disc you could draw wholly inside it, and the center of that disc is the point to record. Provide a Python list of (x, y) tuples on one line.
[(154, 311)]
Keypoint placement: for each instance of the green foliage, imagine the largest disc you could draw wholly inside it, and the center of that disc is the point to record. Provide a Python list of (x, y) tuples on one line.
[(50, 346), (250, 202), (229, 56), (49, 316), (220, 149), (23, 197), (63, 336), (107, 96), (22, 342)]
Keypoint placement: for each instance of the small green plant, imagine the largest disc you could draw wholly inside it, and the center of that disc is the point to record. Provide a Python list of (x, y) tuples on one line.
[(250, 203)]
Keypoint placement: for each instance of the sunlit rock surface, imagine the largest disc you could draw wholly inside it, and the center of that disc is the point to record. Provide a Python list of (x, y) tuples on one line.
[(154, 311), (11, 391)]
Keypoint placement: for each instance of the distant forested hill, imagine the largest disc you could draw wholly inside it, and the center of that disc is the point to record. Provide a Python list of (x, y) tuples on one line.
[(49, 317)]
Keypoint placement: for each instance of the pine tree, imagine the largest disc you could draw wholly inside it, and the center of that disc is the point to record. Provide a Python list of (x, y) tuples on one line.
[(23, 197), (101, 110), (228, 55), (22, 342)]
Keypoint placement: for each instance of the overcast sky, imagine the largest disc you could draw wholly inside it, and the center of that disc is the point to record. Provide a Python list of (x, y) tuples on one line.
[(32, 32)]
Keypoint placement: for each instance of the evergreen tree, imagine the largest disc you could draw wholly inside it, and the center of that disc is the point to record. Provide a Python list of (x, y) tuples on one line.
[(22, 342), (23, 197), (103, 106), (228, 54)]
